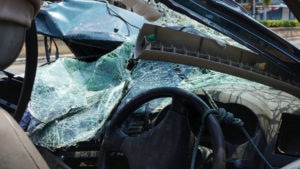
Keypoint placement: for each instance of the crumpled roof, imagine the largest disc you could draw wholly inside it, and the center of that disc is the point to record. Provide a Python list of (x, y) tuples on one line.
[(87, 21)]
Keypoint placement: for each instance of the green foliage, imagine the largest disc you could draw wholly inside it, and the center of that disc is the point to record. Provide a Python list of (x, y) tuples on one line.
[(267, 2), (280, 23)]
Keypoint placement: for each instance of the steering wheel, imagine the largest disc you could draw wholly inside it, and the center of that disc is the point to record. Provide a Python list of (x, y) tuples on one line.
[(169, 144)]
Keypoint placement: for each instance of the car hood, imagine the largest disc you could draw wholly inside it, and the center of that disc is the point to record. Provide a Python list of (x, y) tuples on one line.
[(229, 18)]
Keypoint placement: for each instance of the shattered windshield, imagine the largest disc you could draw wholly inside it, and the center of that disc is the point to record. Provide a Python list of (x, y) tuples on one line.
[(71, 99)]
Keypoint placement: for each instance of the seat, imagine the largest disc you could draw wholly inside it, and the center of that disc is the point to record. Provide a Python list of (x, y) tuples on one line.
[(16, 150)]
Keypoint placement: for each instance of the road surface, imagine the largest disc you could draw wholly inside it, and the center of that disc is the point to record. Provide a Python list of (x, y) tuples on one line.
[(296, 42)]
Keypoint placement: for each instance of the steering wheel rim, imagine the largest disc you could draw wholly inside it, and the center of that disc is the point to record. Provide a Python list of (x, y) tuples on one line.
[(114, 137)]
